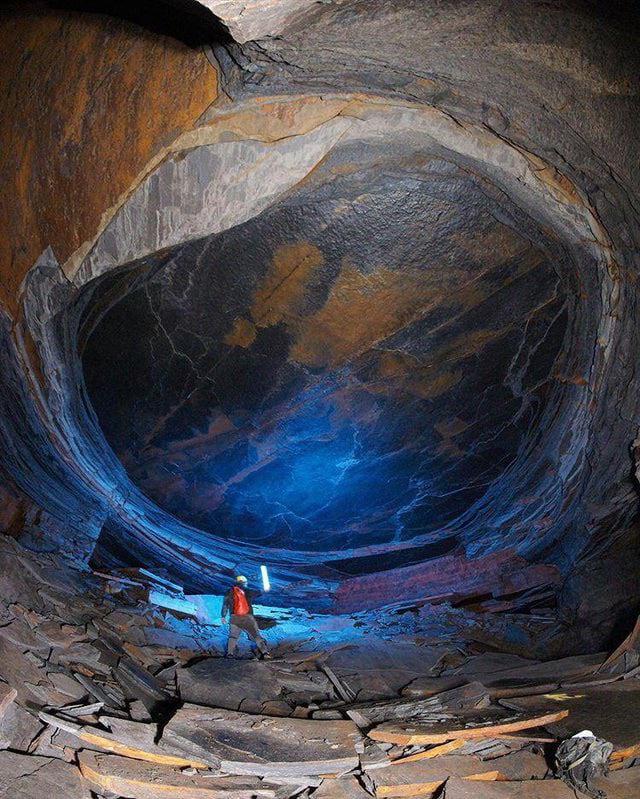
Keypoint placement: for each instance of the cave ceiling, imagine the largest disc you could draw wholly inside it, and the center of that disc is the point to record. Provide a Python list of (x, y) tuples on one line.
[(351, 368)]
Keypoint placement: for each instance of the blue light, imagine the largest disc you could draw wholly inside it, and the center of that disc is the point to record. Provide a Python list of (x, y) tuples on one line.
[(265, 578)]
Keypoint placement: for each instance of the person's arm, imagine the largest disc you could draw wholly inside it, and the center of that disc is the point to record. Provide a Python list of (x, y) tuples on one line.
[(252, 595)]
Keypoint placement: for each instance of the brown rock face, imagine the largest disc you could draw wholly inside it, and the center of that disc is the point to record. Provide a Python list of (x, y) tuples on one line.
[(78, 130)]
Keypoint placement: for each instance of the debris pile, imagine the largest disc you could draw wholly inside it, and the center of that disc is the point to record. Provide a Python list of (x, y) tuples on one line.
[(101, 696)]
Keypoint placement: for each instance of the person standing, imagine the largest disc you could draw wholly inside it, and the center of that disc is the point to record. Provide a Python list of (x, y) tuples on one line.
[(238, 606)]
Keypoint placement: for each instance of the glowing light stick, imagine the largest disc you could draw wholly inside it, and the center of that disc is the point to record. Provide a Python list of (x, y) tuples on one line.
[(265, 578)]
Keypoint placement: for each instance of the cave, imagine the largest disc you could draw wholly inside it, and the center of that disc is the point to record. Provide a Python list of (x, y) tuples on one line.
[(339, 296)]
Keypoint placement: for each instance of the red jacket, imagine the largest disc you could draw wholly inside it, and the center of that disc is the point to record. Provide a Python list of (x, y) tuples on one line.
[(234, 604)]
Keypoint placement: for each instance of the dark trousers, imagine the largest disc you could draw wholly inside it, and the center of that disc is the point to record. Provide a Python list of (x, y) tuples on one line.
[(245, 624)]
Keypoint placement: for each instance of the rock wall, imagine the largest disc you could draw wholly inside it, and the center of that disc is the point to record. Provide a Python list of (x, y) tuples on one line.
[(87, 101)]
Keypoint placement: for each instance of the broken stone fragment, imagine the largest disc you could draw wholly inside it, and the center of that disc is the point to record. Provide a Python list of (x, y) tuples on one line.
[(140, 780), (18, 727), (457, 788), (406, 734), (264, 746), (273, 708), (129, 739), (7, 696), (55, 743), (611, 711), (82, 712), (33, 777), (517, 766), (342, 788), (245, 685), (81, 654), (424, 687), (445, 705), (623, 784), (20, 634), (487, 669), (139, 684), (65, 684), (28, 675), (56, 634), (138, 711), (169, 638)]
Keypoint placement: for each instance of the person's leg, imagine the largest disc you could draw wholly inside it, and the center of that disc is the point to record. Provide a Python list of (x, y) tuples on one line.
[(253, 632), (234, 634)]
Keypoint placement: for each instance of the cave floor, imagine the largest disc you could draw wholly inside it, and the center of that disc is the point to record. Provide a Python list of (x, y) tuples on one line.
[(107, 693)]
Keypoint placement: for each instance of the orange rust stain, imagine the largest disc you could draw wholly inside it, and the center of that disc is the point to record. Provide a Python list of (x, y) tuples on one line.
[(415, 789), (398, 370), (183, 449), (431, 379), (576, 380), (282, 295), (451, 427), (360, 310), (427, 83), (448, 429), (88, 101), (499, 240), (242, 335), (466, 344), (364, 308), (622, 754), (436, 751), (431, 384), (117, 784), (395, 364), (487, 776), (563, 189), (111, 745), (271, 119)]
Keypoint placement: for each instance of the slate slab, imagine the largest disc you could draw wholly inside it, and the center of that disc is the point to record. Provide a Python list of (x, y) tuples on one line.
[(533, 789), (32, 777), (262, 745), (139, 780), (7, 696), (610, 711), (246, 684), (345, 788), (18, 728), (623, 784), (444, 705), (518, 766), (130, 739)]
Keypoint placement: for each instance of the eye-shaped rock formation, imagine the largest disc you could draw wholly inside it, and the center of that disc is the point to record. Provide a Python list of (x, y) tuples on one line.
[(349, 289)]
